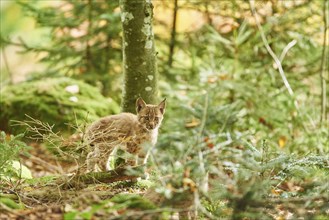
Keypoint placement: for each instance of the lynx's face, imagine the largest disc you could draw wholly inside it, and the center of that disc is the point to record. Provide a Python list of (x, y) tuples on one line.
[(150, 115)]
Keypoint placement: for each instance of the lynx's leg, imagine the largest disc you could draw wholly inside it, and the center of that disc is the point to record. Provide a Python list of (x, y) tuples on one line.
[(105, 151), (93, 159), (132, 149), (110, 158), (142, 159), (131, 162)]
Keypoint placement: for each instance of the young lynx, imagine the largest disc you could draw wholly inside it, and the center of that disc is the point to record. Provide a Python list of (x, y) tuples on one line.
[(125, 131)]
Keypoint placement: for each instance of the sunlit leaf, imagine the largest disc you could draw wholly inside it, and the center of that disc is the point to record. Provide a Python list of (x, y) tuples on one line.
[(282, 141)]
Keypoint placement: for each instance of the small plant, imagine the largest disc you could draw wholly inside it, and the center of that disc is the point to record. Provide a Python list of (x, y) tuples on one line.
[(10, 147)]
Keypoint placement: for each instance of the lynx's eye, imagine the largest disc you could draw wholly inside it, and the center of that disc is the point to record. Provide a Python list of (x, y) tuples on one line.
[(146, 118)]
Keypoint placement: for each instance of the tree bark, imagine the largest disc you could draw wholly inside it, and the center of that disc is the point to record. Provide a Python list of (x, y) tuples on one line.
[(139, 57)]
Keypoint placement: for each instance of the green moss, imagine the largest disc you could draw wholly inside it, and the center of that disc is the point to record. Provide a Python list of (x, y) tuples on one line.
[(49, 101), (133, 201), (41, 180), (10, 204)]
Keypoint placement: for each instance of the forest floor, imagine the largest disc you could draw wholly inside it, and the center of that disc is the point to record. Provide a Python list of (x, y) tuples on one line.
[(54, 192), (45, 199)]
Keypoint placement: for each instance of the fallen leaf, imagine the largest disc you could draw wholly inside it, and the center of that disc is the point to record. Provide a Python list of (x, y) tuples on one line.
[(188, 183), (276, 192), (193, 123), (210, 145), (282, 141)]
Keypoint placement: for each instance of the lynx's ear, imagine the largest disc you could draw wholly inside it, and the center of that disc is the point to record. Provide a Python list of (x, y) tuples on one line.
[(140, 104), (162, 106)]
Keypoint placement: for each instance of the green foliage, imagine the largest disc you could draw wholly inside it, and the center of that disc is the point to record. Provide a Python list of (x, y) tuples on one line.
[(239, 70), (234, 144), (85, 39), (219, 161), (121, 203), (20, 171), (56, 101), (9, 203), (132, 201), (10, 147)]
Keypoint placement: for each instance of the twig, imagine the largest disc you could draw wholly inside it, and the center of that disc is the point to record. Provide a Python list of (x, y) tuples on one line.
[(275, 58), (269, 49), (285, 50), (44, 131), (200, 207)]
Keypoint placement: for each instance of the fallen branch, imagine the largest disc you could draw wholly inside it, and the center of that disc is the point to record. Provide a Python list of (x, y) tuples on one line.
[(57, 189), (119, 174), (43, 163), (49, 195)]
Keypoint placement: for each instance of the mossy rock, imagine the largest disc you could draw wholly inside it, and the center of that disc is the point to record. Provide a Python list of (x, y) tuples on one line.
[(61, 102)]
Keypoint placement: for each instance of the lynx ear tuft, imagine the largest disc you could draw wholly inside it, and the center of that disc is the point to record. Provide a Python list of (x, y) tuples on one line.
[(140, 104), (162, 106)]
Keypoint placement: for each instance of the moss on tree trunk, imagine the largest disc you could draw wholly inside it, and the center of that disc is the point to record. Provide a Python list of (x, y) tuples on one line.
[(139, 57)]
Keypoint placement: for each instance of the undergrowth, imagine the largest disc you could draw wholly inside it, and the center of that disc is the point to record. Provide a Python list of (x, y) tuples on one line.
[(234, 144)]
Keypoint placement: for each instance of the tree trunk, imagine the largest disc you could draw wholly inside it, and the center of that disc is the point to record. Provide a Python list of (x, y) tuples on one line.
[(173, 35), (139, 57)]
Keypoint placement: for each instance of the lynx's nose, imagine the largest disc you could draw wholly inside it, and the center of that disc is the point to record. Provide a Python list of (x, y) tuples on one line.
[(152, 125)]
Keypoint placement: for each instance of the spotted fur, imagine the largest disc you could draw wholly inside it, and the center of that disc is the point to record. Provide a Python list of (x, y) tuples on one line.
[(129, 132)]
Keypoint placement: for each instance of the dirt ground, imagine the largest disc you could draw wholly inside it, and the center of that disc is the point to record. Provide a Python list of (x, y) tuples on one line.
[(46, 200)]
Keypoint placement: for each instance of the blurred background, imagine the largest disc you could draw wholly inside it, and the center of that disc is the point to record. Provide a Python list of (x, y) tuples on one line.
[(211, 46), (61, 62)]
